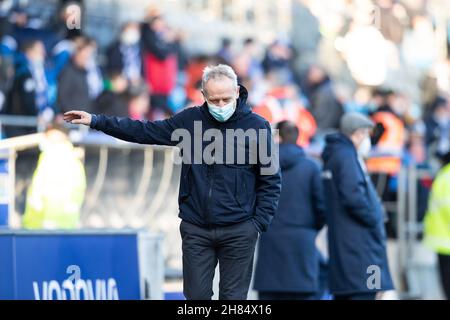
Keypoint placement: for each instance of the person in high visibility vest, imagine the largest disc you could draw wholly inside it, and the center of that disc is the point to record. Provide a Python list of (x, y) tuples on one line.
[(387, 154), (437, 223), (283, 104), (58, 186)]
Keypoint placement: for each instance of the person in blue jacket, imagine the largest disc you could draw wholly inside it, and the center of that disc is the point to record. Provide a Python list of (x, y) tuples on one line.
[(358, 265), (288, 261), (224, 203)]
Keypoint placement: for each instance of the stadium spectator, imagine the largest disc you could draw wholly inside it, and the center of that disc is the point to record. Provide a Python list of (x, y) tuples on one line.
[(294, 274), (388, 150), (114, 99), (57, 189), (356, 233), (225, 55), (125, 53), (139, 103), (278, 57), (246, 63), (437, 222), (438, 128), (29, 93), (160, 62), (283, 102), (73, 85), (324, 105)]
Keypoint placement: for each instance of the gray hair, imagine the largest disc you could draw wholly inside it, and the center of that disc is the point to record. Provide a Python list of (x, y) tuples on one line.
[(219, 71)]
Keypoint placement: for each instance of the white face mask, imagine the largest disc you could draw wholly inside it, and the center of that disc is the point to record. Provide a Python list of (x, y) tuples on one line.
[(224, 113), (365, 147), (130, 37)]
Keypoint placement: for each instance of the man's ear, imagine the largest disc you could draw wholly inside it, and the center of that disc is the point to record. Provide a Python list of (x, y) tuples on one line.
[(237, 91)]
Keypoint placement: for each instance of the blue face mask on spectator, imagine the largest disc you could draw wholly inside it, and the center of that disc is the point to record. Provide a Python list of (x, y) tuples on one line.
[(224, 113)]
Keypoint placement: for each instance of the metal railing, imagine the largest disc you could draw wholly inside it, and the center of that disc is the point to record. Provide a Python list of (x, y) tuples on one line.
[(138, 213)]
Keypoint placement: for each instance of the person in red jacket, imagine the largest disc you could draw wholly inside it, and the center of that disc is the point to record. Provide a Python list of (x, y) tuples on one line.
[(160, 62)]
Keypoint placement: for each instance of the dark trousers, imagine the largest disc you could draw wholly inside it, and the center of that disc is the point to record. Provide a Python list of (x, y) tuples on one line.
[(288, 296), (356, 296), (232, 247), (444, 270)]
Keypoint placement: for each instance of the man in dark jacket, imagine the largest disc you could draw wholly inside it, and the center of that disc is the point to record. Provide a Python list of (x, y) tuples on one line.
[(356, 235), (224, 204), (288, 261)]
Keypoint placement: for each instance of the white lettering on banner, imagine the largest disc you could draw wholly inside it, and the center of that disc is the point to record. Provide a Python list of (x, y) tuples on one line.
[(81, 289)]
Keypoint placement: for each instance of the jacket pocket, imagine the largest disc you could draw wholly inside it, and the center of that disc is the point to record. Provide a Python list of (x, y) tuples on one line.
[(244, 189)]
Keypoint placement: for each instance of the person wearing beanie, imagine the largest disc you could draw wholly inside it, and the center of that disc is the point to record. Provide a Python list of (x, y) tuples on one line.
[(355, 216)]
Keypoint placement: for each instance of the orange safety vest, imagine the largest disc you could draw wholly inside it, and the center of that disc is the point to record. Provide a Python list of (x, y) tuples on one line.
[(271, 110), (388, 151)]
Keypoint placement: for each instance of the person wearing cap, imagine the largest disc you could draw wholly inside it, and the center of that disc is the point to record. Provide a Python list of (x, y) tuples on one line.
[(355, 216)]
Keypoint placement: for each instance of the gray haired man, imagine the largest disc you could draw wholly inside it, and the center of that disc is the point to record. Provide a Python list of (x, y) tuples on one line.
[(228, 197)]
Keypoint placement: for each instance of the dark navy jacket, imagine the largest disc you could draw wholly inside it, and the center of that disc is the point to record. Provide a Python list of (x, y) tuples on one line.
[(288, 260), (356, 232), (212, 194)]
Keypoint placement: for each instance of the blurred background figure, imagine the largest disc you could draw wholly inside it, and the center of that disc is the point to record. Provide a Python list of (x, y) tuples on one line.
[(324, 106), (278, 57), (160, 62), (225, 54), (246, 63), (284, 102), (437, 223), (8, 46), (77, 86), (56, 193), (125, 53), (139, 101), (114, 99), (437, 137), (287, 267), (28, 94), (355, 216)]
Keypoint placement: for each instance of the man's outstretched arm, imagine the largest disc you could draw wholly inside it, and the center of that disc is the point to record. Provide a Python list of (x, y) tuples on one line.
[(146, 132)]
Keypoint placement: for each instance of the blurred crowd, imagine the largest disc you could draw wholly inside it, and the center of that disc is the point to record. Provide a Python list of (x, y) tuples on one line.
[(380, 58), (146, 73)]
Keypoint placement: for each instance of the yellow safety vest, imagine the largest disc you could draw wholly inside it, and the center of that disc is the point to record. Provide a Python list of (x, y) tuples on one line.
[(57, 190), (437, 219)]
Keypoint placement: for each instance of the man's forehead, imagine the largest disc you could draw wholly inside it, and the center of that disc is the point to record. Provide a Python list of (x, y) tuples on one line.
[(220, 87)]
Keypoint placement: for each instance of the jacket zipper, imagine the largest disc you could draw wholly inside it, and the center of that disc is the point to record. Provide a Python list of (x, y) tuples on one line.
[(209, 200)]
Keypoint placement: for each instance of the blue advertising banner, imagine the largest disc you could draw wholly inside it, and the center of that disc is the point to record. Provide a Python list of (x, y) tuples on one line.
[(69, 266)]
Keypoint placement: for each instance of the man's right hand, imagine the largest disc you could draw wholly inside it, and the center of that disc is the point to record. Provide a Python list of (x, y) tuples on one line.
[(78, 117)]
